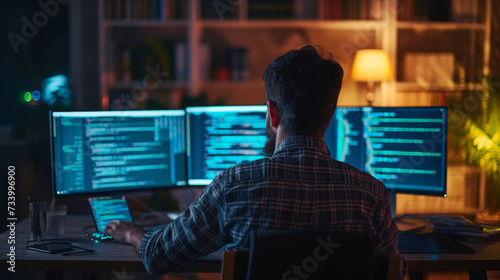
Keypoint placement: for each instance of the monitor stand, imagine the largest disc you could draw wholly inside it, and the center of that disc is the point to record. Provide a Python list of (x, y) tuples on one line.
[(392, 200)]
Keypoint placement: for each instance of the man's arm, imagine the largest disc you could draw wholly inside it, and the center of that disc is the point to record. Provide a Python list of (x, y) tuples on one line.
[(198, 231), (125, 232)]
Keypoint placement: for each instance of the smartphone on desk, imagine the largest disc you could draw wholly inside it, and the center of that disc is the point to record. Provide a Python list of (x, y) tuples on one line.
[(51, 247)]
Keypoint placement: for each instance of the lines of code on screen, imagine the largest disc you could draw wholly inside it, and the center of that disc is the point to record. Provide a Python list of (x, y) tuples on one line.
[(118, 151), (107, 209), (221, 137), (405, 148)]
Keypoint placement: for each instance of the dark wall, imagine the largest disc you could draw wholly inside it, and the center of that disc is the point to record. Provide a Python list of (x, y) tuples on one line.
[(34, 45)]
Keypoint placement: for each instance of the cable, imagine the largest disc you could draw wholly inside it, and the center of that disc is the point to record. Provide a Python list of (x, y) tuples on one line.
[(85, 250), (85, 228)]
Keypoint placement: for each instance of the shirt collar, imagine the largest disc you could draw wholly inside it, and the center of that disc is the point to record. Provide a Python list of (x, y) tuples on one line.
[(302, 141)]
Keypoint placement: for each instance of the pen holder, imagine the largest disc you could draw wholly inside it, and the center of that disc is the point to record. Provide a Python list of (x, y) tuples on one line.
[(38, 220), (56, 219)]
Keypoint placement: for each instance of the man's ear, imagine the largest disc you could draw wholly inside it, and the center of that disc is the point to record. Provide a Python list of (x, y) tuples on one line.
[(273, 114)]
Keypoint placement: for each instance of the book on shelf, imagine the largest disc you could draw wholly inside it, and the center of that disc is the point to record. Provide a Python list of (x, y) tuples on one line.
[(181, 62), (429, 69), (352, 9), (151, 63), (205, 61), (271, 9), (305, 9), (438, 10), (221, 10), (145, 9), (133, 9), (464, 10), (238, 64)]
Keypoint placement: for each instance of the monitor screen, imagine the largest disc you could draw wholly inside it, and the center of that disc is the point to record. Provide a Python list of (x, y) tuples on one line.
[(222, 136), (404, 147), (117, 151)]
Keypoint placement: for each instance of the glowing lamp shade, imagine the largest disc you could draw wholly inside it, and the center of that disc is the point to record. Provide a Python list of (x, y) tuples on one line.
[(371, 66)]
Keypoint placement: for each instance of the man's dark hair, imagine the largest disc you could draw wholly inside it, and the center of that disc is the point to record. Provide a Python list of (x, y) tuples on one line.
[(305, 88)]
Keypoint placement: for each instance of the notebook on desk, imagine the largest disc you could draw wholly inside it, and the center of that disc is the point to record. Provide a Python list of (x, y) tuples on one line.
[(106, 209)]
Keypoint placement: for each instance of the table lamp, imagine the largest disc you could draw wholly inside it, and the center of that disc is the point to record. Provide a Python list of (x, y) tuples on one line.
[(371, 65)]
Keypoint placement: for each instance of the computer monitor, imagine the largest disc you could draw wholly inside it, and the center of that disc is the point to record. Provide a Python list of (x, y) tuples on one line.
[(404, 147), (101, 152), (222, 136)]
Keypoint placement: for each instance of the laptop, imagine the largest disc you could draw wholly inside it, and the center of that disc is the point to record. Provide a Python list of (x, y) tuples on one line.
[(106, 209)]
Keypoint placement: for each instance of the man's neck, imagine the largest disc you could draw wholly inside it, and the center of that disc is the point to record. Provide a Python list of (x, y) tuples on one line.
[(282, 135)]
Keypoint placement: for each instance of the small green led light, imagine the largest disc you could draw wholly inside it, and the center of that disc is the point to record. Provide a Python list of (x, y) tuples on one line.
[(27, 96)]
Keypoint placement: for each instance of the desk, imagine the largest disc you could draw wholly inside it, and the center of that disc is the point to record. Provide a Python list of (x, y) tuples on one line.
[(486, 257), (109, 256)]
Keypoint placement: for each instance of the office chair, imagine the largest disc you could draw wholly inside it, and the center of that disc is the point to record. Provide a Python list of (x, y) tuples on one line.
[(311, 255)]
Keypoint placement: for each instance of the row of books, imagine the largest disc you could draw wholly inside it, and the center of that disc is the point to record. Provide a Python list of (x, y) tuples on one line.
[(348, 9), (151, 61), (281, 9), (307, 9), (154, 62), (408, 10), (145, 9), (438, 10)]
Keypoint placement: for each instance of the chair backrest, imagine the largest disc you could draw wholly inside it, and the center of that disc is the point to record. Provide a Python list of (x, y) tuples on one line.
[(278, 254), (309, 255)]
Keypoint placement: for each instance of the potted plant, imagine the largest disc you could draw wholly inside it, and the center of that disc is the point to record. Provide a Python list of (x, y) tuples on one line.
[(474, 131)]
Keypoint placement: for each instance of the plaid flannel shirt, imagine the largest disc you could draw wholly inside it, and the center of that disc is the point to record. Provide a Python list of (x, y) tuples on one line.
[(299, 187)]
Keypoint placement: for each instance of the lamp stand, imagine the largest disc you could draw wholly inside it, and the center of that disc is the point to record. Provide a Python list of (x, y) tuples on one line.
[(370, 95)]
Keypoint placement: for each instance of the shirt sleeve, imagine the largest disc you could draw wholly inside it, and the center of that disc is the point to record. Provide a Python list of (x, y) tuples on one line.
[(197, 232)]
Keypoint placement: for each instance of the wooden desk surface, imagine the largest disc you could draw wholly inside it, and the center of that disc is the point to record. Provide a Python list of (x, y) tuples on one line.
[(486, 257), (107, 256), (110, 256)]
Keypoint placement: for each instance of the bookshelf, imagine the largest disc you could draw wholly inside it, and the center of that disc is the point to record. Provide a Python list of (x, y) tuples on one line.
[(461, 30), (248, 33)]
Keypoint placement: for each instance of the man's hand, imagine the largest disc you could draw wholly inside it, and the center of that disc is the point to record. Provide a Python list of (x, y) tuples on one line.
[(125, 232)]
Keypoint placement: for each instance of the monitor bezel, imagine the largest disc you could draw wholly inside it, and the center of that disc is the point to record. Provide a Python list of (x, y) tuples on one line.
[(105, 192)]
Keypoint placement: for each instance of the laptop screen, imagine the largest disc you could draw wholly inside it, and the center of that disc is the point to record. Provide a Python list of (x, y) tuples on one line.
[(108, 208)]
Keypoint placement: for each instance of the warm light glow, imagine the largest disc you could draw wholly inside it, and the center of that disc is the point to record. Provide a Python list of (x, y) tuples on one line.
[(371, 66)]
